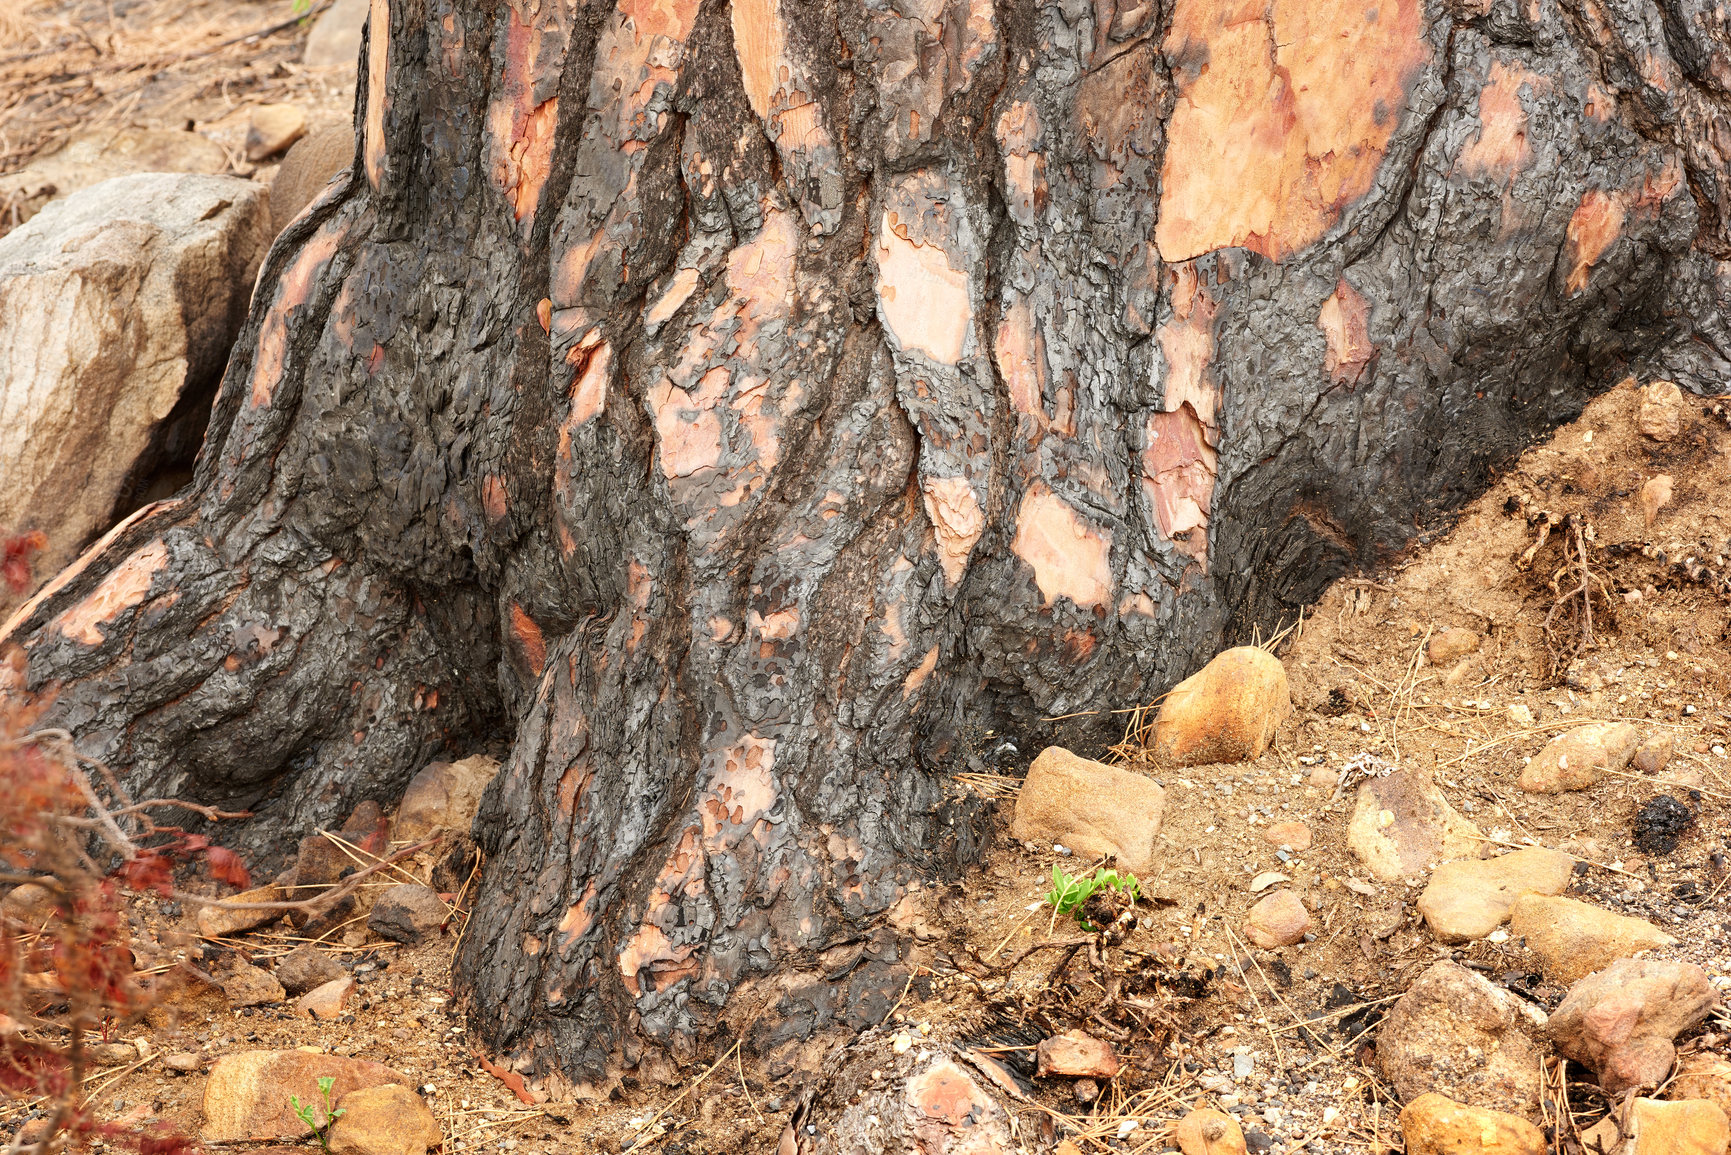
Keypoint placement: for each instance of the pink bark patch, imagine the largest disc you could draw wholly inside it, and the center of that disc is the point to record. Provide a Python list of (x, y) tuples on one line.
[(957, 520), (1071, 557), (1178, 472), (1285, 109), (922, 296), (124, 587), (1345, 324)]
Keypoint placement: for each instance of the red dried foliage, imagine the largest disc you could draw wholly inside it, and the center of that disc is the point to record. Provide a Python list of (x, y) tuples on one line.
[(70, 971), (15, 558)]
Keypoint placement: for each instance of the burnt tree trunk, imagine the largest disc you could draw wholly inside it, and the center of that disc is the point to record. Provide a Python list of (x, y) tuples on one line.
[(742, 408)]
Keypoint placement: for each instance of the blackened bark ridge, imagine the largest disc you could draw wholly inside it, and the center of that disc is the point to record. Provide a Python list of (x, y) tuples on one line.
[(743, 407)]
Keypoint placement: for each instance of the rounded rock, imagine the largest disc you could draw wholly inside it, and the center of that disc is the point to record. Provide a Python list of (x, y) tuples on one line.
[(1277, 920), (1228, 711)]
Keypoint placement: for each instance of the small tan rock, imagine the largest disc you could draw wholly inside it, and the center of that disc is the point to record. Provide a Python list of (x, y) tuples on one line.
[(444, 796), (1454, 1033), (1470, 897), (110, 1054), (1661, 415), (1092, 808), (1620, 1022), (1655, 495), (1323, 778), (222, 921), (1075, 1054), (335, 39), (1402, 825), (306, 967), (1228, 711), (1206, 1131), (1654, 754), (28, 906), (306, 169), (1579, 758), (1292, 835), (1450, 644), (247, 1094), (1434, 1124), (1703, 1076), (1686, 1127), (1572, 939), (384, 1120), (183, 1062), (1277, 920), (327, 1000), (272, 128), (249, 986)]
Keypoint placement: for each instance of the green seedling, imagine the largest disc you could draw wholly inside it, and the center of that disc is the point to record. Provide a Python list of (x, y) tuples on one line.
[(307, 1112), (1070, 892)]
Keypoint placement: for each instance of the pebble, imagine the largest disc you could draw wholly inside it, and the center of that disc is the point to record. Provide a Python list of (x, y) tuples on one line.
[(1688, 1127), (249, 986), (328, 1000), (272, 128), (1578, 759), (1434, 1124), (1450, 644), (1277, 920), (1091, 808), (1654, 754), (1075, 1054), (384, 1120), (408, 913), (1572, 939), (1226, 712), (1454, 1033), (1661, 414), (1703, 1076), (1402, 825), (1209, 1132), (1469, 898), (1620, 1022), (1291, 835)]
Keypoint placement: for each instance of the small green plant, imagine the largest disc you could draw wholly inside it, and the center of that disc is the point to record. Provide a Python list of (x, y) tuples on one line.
[(307, 1112), (1070, 892)]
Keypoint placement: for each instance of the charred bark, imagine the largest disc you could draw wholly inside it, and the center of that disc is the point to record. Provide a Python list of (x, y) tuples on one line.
[(744, 407)]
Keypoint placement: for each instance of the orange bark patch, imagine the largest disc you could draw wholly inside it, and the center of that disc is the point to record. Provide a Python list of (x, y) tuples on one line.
[(957, 520), (1285, 109), (922, 296), (293, 290), (530, 643), (574, 784), (1597, 221), (493, 496), (1018, 133), (1187, 340), (378, 74), (1071, 557), (124, 587), (638, 587), (578, 918), (651, 948), (589, 396), (1501, 147), (917, 677), (520, 128), (741, 791), (1021, 355), (1345, 324), (1178, 472), (678, 291), (687, 426)]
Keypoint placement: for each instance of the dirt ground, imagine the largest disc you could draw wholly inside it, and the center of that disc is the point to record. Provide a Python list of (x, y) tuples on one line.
[(76, 68)]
